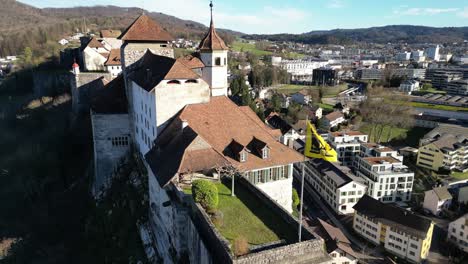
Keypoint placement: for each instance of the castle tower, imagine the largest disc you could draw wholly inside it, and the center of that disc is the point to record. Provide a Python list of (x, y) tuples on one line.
[(142, 35), (213, 53)]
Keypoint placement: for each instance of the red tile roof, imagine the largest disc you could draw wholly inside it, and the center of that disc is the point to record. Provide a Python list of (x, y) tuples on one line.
[(334, 116), (94, 43), (110, 33), (212, 41), (152, 69), (217, 124), (192, 62), (145, 29), (114, 58), (379, 160)]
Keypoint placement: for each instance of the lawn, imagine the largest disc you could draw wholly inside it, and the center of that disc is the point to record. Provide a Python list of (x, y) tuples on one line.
[(245, 215), (326, 107), (328, 91), (438, 107), (460, 175), (247, 47), (399, 137)]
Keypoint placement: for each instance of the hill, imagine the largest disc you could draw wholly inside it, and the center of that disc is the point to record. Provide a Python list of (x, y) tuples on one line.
[(386, 34), (23, 26)]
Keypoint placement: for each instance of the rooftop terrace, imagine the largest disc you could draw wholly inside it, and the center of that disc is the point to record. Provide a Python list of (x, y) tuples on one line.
[(247, 216)]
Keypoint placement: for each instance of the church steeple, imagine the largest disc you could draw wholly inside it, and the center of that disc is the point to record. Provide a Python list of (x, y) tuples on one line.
[(214, 55), (212, 41)]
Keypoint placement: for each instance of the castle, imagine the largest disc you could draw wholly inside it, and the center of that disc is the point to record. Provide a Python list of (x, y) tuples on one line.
[(178, 118)]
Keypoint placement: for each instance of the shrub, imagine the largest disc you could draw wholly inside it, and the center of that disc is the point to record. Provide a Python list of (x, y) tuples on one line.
[(206, 193), (295, 198), (241, 246)]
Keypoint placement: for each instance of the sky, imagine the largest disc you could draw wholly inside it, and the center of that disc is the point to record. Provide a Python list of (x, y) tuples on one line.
[(297, 16)]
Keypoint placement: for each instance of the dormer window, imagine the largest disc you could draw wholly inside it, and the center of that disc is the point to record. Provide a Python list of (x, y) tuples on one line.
[(266, 153), (243, 156), (173, 82), (191, 81)]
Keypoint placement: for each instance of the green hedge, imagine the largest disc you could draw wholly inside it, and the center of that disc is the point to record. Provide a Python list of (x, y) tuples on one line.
[(206, 193)]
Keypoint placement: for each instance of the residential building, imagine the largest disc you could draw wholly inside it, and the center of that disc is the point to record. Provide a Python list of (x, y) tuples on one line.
[(113, 63), (458, 87), (313, 111), (302, 70), (110, 38), (337, 244), (338, 187), (444, 147), (409, 73), (94, 55), (387, 179), (377, 150), (347, 145), (433, 53), (302, 97), (288, 135), (409, 86), (369, 74), (403, 56), (441, 79), (401, 232), (333, 119), (458, 232), (437, 200), (418, 56)]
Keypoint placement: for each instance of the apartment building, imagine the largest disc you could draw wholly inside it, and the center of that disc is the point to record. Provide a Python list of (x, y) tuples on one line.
[(347, 145), (459, 87), (441, 79), (336, 185), (458, 232), (369, 74), (444, 147), (376, 150), (401, 232), (387, 179)]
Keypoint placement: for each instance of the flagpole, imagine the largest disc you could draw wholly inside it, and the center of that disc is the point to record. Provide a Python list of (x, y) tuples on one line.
[(302, 186)]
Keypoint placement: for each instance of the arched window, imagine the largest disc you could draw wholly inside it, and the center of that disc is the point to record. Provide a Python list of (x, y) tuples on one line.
[(191, 81), (173, 82)]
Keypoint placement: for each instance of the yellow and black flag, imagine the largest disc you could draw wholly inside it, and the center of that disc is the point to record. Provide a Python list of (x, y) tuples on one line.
[(316, 147)]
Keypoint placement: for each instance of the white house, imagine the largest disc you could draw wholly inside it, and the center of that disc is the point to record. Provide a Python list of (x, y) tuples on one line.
[(334, 119), (436, 200), (95, 55), (336, 185), (63, 42), (458, 232), (113, 63), (409, 86)]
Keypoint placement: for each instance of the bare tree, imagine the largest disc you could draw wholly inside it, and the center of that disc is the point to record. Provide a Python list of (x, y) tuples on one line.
[(229, 171)]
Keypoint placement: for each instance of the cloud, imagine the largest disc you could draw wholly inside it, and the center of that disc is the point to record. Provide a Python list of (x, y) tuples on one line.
[(416, 11), (463, 13), (336, 4)]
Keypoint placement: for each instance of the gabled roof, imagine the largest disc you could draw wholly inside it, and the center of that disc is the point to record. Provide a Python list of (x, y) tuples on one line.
[(192, 62), (217, 123), (334, 116), (110, 33), (145, 29), (94, 43), (212, 41), (442, 193), (394, 216), (152, 69), (278, 123), (334, 238), (111, 99), (114, 58)]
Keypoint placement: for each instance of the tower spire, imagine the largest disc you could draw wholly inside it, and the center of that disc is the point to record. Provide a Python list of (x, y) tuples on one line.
[(211, 10)]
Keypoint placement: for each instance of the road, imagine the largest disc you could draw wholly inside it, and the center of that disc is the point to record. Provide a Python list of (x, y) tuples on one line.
[(317, 208)]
